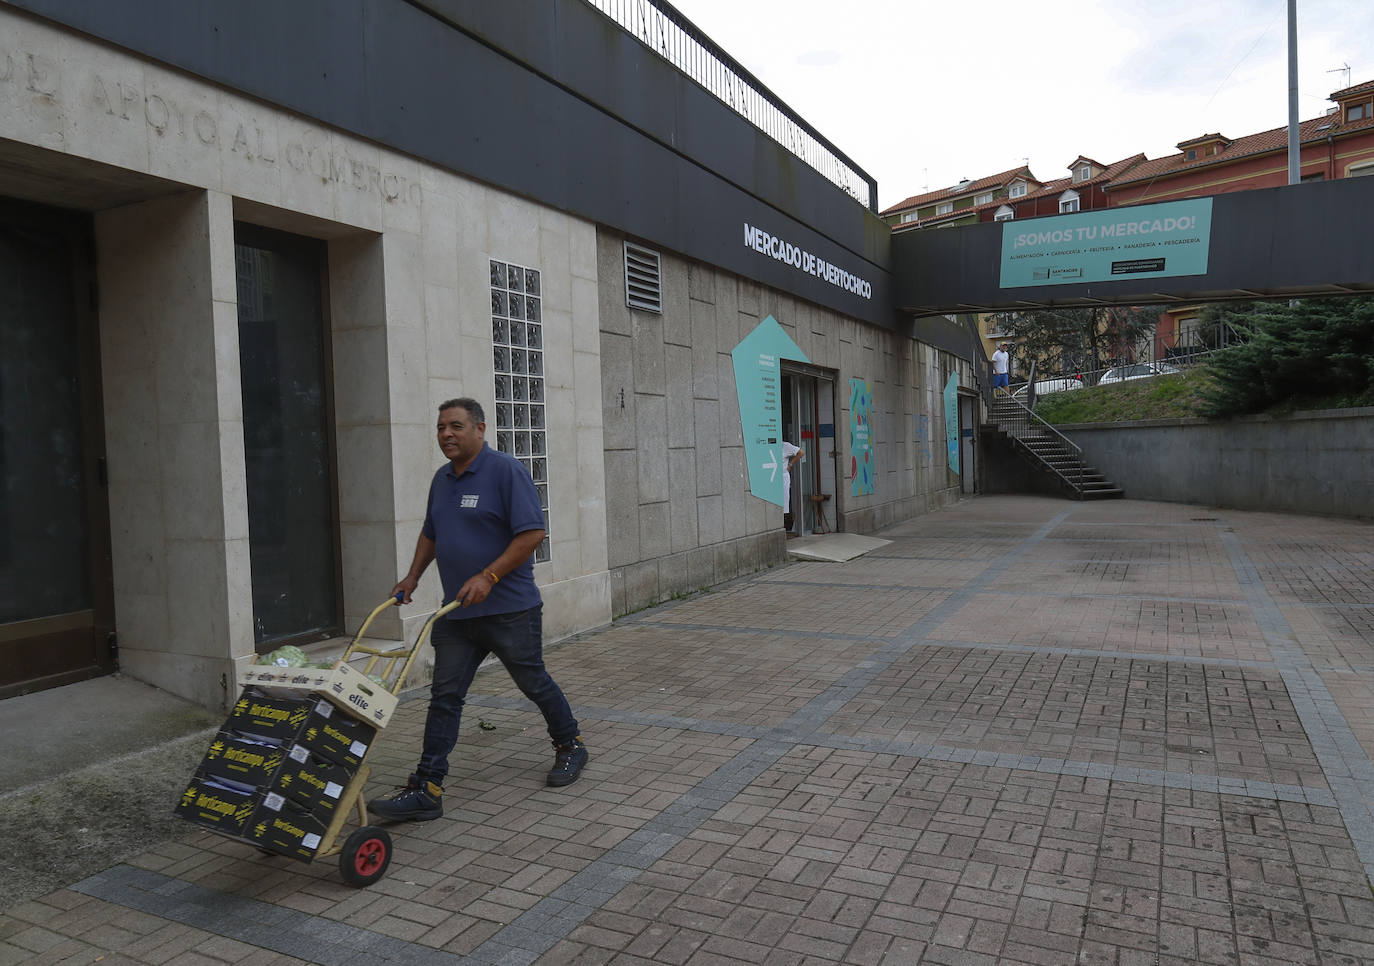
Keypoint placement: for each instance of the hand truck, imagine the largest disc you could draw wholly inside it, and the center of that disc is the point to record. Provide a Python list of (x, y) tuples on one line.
[(366, 853)]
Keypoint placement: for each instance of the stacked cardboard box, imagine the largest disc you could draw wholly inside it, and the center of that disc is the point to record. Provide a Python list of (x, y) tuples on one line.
[(276, 773)]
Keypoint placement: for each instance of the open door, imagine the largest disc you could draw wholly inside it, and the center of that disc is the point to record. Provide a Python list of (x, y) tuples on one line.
[(808, 421), (968, 432)]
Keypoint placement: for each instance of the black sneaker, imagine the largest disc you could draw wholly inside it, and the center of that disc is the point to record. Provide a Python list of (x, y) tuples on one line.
[(417, 801), (568, 762)]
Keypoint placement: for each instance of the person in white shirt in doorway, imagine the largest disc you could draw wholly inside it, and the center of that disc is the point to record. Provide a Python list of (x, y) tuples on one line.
[(791, 456)]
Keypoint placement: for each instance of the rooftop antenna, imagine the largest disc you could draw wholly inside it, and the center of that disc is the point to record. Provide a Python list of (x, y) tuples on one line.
[(925, 175), (1343, 69)]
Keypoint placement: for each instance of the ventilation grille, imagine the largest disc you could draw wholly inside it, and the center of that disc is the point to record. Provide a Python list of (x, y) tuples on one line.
[(643, 279)]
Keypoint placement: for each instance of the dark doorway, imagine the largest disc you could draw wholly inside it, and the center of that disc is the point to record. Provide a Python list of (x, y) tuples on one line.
[(288, 436), (56, 592), (968, 428)]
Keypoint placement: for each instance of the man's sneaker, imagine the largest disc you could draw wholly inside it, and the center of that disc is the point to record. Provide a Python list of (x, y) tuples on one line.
[(417, 801), (568, 762)]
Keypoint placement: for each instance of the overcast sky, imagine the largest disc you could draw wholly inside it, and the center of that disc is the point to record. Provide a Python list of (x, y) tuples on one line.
[(922, 93)]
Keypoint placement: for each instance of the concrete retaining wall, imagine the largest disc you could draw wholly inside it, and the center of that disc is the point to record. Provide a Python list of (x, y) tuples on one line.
[(1316, 462)]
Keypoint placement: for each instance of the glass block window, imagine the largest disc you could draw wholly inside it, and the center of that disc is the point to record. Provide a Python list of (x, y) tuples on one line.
[(517, 348)]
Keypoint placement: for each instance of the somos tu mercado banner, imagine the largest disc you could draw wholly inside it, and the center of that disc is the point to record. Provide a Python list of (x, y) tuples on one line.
[(1103, 246)]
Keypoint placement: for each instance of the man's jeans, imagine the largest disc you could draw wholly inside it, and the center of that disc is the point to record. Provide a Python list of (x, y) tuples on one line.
[(459, 647)]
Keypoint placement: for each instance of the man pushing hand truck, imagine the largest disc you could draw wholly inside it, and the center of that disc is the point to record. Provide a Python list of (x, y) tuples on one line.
[(483, 523)]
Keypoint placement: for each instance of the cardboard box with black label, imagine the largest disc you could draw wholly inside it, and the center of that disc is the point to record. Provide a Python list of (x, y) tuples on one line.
[(314, 782), (264, 715), (332, 734), (248, 761), (218, 804), (284, 825)]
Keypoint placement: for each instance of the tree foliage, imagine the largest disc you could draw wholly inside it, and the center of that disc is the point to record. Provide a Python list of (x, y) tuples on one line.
[(1077, 340), (1308, 350)]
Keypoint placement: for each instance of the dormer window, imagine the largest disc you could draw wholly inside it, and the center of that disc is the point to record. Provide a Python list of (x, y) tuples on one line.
[(1068, 202), (1005, 213), (1195, 148), (1083, 172), (1357, 112), (1017, 190)]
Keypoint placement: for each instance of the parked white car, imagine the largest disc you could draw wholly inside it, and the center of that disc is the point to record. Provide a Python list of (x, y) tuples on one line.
[(1141, 370), (1046, 386)]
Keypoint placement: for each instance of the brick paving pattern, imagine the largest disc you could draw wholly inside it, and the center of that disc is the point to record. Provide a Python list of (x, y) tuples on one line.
[(1025, 731)]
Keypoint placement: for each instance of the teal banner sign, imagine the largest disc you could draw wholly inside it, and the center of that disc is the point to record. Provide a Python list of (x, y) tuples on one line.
[(862, 481), (758, 383), (1141, 241), (952, 422)]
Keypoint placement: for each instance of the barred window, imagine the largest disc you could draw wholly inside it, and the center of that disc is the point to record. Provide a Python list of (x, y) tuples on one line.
[(517, 343)]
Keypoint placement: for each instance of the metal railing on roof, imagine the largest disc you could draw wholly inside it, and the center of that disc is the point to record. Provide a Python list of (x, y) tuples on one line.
[(661, 28)]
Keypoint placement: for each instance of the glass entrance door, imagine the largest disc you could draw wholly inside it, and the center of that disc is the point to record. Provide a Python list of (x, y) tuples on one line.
[(806, 422), (804, 476), (288, 438), (56, 597)]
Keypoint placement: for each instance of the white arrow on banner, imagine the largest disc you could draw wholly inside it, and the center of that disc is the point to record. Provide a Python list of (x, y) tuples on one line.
[(772, 465)]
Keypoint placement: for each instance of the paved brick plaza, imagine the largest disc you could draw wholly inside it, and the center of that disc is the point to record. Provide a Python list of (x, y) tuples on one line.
[(1026, 731)]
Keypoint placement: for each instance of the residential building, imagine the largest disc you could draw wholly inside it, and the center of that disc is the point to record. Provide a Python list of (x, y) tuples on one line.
[(1337, 144), (960, 204), (1083, 190)]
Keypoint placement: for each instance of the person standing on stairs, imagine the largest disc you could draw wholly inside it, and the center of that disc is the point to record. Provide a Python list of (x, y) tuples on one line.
[(1001, 366)]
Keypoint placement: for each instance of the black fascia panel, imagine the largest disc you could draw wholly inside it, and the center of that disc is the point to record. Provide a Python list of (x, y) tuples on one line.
[(390, 72), (1305, 238)]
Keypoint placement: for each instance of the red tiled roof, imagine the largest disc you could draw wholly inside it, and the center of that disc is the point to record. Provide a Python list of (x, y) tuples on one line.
[(1046, 188), (1357, 89), (1264, 142), (1113, 170), (1037, 189), (1202, 139), (1054, 187), (958, 191)]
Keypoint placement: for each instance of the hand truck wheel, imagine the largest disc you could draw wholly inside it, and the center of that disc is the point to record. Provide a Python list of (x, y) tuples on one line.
[(365, 856)]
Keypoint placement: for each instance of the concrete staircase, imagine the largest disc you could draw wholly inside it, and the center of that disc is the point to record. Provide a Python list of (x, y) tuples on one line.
[(1049, 451)]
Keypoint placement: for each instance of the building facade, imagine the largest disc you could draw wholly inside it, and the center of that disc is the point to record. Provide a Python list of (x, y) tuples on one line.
[(251, 253)]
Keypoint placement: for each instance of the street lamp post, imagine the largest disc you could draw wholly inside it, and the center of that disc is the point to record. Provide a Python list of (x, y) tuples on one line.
[(1294, 159)]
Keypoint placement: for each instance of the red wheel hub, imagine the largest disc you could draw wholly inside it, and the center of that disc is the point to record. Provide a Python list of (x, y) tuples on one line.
[(371, 856)]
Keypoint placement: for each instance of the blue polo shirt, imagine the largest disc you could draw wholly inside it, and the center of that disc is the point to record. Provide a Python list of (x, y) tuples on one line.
[(473, 518)]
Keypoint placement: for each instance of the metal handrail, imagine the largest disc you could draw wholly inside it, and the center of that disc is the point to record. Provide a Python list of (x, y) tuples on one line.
[(663, 29), (1019, 427)]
